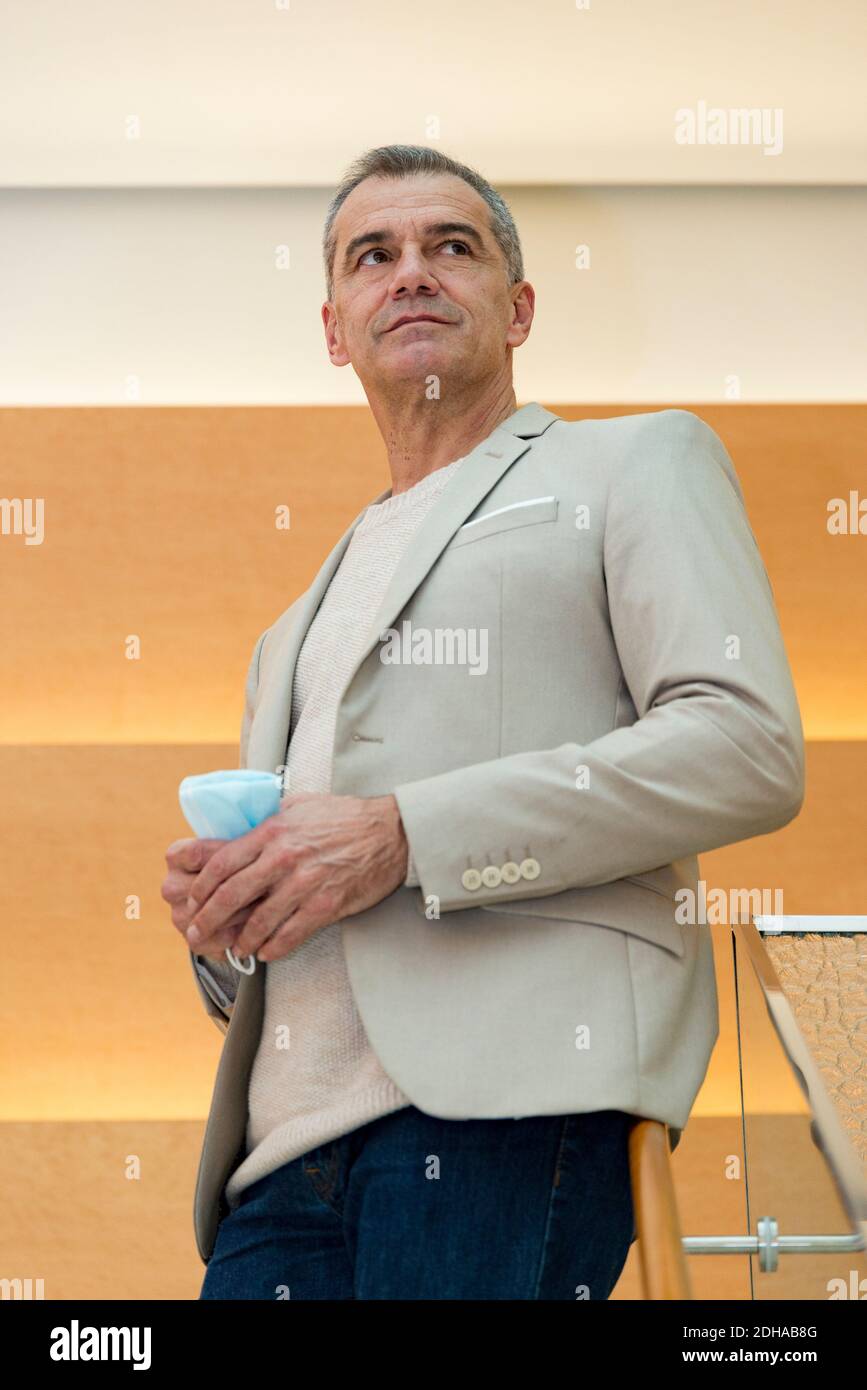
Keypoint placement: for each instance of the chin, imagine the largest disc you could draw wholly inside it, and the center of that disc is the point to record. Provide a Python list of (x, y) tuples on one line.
[(426, 348)]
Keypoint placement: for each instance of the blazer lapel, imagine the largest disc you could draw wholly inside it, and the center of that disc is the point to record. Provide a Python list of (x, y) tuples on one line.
[(481, 469), (269, 731)]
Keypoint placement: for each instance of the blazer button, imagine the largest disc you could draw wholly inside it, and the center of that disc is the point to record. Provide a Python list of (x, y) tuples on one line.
[(491, 876), (530, 868), (471, 879), (511, 872)]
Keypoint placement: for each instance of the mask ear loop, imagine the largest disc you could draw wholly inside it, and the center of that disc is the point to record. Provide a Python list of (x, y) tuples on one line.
[(237, 964), (243, 969)]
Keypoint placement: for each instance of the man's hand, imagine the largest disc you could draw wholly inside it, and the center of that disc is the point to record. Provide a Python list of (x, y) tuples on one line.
[(185, 860), (319, 859)]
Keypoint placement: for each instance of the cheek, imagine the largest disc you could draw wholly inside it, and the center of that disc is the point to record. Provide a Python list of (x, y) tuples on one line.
[(483, 321), (356, 316)]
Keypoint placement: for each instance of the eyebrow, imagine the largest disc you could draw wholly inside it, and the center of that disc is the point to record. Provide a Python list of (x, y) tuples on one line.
[(432, 229)]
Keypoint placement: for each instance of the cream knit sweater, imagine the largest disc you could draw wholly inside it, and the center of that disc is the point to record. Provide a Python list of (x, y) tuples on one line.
[(315, 1075)]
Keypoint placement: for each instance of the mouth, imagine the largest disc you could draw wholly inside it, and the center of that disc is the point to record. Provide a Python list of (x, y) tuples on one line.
[(422, 318)]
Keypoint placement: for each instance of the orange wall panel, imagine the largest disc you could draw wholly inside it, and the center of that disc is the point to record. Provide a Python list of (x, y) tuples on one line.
[(160, 522)]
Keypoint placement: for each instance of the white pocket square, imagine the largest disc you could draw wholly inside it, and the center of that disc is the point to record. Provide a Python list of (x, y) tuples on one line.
[(512, 506)]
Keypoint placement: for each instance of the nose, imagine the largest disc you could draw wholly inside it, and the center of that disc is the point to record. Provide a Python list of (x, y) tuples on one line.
[(412, 275)]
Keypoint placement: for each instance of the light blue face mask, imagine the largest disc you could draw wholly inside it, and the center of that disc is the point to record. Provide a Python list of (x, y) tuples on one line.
[(224, 805)]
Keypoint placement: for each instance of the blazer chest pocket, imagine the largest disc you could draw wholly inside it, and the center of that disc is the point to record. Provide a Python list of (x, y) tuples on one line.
[(505, 519)]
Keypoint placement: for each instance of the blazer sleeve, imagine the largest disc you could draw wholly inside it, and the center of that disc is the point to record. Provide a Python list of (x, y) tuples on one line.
[(716, 753), (216, 981)]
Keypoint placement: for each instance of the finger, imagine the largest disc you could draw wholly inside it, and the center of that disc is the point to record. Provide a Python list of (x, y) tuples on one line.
[(215, 948), (193, 854), (177, 846), (290, 935), (270, 914), (181, 920), (241, 889), (176, 886), (229, 859)]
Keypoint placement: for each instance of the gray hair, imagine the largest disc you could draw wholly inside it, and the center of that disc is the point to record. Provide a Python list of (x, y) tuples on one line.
[(402, 161)]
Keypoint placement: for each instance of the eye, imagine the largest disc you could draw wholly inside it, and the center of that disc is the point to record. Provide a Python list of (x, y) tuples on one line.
[(378, 251)]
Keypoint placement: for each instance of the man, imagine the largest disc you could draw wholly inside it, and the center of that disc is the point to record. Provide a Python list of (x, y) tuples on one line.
[(528, 685)]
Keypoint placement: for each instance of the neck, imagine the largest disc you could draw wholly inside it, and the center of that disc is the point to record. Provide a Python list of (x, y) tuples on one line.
[(424, 435)]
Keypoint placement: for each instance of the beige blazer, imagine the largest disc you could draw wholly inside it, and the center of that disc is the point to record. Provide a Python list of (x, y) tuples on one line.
[(636, 708)]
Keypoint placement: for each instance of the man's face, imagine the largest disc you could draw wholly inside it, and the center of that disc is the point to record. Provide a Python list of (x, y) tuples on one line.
[(413, 247)]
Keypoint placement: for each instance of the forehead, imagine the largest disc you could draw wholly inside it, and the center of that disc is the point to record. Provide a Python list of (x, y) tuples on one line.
[(401, 202)]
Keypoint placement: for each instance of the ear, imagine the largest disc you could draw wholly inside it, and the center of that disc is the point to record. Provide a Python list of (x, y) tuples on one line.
[(333, 336)]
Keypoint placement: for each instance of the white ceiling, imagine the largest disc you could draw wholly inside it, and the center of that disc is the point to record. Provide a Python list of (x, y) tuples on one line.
[(286, 92)]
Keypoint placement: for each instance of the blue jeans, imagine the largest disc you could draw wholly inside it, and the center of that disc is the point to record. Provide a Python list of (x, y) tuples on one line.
[(410, 1206)]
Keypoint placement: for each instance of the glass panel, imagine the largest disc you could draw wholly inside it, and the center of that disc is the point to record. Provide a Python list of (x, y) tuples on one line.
[(788, 1178)]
